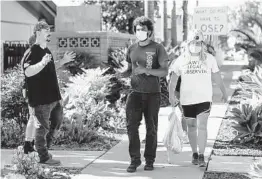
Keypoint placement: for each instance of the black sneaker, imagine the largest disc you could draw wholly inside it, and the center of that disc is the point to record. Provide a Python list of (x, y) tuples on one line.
[(133, 166), (195, 159), (28, 147), (201, 160), (149, 166), (51, 162)]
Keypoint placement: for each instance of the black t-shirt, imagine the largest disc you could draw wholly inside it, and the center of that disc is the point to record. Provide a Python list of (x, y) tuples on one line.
[(148, 56), (43, 87)]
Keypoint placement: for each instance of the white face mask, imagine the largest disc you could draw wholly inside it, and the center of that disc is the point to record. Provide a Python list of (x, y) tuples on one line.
[(195, 48), (141, 35)]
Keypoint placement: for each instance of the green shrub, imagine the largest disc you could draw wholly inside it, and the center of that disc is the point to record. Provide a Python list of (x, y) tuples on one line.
[(247, 116), (87, 109), (27, 167), (251, 82), (248, 123), (83, 60), (116, 64), (116, 57), (14, 109), (12, 133), (164, 93)]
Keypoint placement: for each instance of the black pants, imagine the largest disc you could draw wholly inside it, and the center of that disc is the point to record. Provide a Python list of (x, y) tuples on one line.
[(137, 105)]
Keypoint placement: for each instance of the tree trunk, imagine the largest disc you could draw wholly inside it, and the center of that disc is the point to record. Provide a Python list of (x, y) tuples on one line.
[(185, 19), (173, 27), (149, 9), (164, 22), (197, 2)]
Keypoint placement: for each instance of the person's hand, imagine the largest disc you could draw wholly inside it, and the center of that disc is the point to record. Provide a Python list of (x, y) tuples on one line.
[(224, 98), (68, 57), (47, 58), (177, 95), (139, 69), (173, 101)]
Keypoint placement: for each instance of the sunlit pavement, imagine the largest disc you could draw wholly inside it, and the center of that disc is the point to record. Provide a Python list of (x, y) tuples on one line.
[(114, 163)]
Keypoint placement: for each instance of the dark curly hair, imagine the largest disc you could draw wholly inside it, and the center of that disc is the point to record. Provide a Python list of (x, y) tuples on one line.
[(143, 21)]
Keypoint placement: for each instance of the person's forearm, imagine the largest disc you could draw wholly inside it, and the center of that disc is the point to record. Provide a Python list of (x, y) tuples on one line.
[(162, 72), (171, 91), (172, 87), (34, 69), (59, 64)]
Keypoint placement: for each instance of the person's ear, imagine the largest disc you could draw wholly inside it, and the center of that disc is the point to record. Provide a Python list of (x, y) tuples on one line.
[(149, 33)]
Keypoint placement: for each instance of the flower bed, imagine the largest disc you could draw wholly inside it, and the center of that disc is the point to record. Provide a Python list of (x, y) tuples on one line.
[(240, 133), (14, 109), (91, 122), (27, 166), (88, 114), (224, 175)]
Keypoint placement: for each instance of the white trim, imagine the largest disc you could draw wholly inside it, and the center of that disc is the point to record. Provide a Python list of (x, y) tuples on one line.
[(13, 22), (47, 8)]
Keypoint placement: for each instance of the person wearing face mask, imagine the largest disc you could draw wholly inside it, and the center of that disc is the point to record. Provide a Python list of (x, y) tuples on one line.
[(147, 63), (43, 93), (195, 68)]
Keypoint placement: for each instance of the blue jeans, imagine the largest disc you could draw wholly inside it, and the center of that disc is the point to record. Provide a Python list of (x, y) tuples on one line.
[(49, 119), (139, 104)]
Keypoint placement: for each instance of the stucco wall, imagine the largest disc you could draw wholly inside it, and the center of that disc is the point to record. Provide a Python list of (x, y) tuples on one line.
[(78, 18), (16, 22)]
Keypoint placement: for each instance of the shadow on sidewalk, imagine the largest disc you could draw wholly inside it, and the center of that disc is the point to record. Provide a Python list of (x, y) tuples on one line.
[(114, 166)]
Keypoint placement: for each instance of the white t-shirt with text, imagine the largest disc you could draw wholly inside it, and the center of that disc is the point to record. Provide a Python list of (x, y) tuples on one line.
[(196, 82)]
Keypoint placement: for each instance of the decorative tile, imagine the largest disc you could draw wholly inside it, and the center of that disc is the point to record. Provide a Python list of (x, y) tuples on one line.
[(84, 42), (62, 42), (73, 42), (95, 42), (65, 42)]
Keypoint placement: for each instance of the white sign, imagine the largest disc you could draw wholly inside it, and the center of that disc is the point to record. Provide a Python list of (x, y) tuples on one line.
[(211, 20)]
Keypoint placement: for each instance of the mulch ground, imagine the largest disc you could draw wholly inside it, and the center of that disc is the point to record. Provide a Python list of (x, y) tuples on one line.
[(224, 147), (224, 175)]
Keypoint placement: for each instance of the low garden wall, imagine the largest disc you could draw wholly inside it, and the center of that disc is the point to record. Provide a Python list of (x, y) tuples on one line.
[(94, 43)]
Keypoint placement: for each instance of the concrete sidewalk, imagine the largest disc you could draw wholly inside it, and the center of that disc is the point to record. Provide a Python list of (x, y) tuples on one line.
[(113, 164)]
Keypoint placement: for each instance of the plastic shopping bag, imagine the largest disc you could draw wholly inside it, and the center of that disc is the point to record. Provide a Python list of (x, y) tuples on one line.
[(173, 139)]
